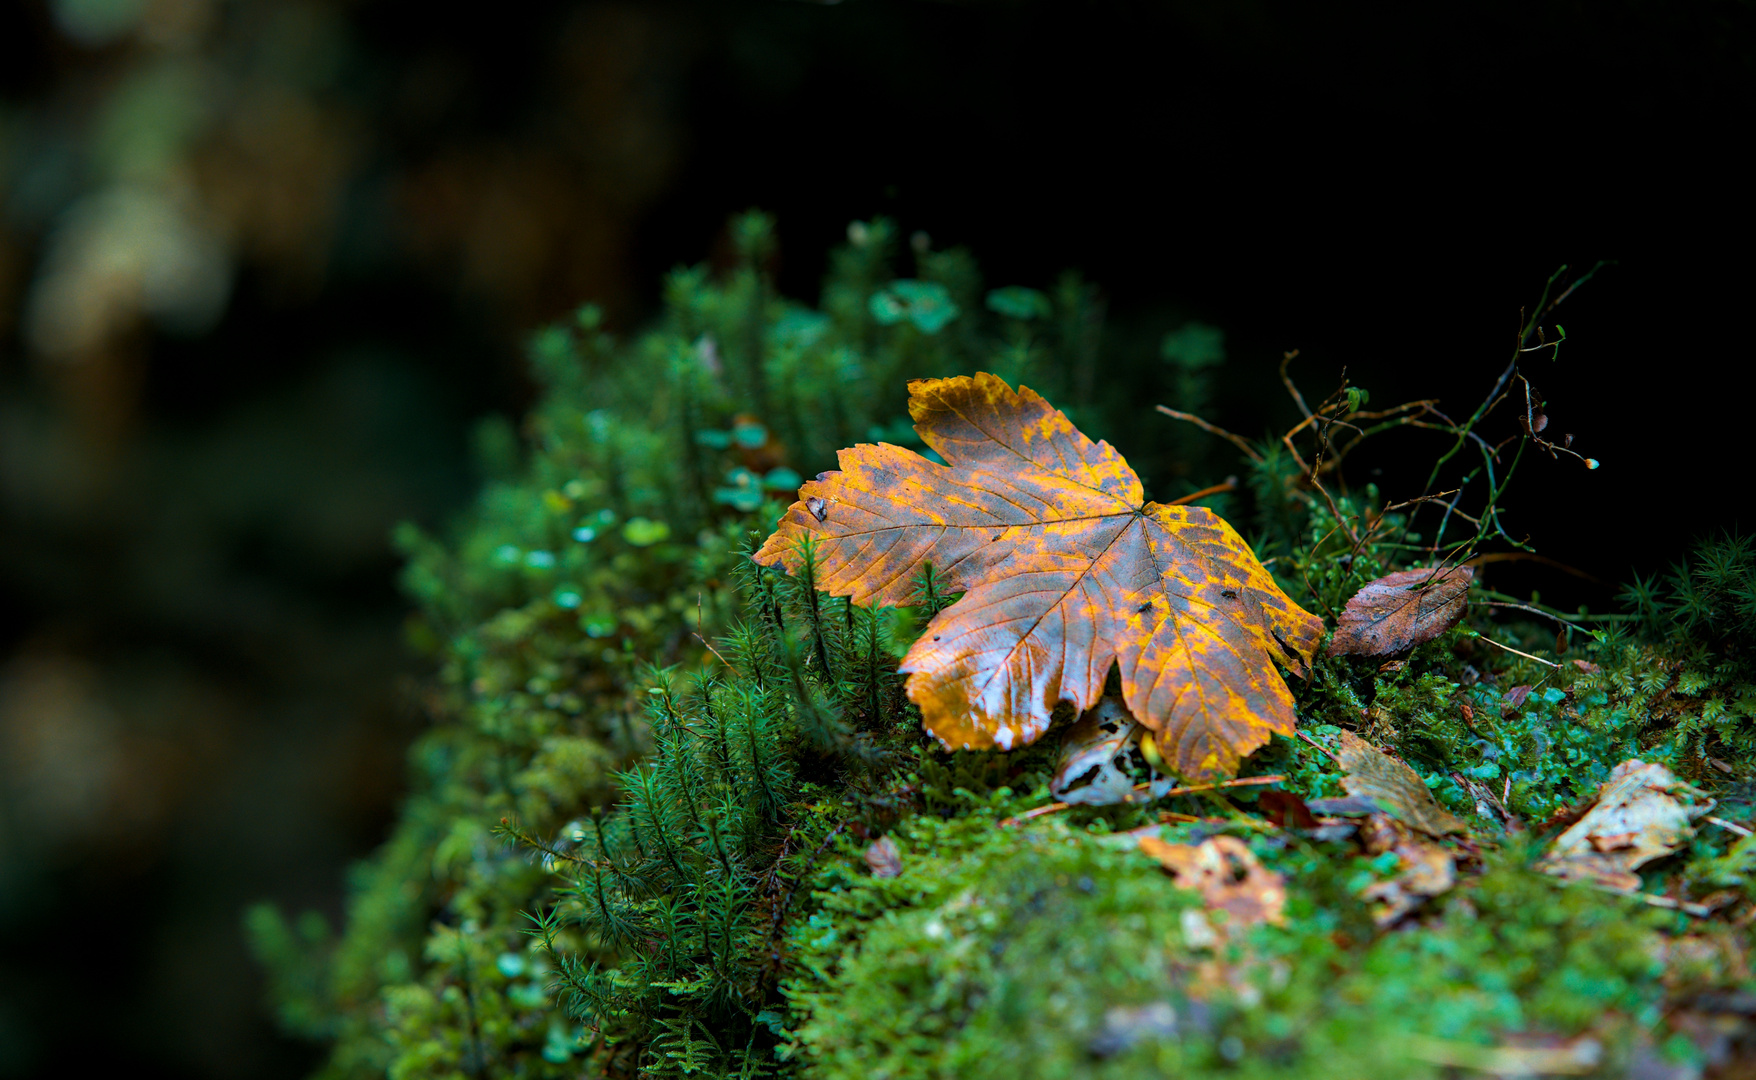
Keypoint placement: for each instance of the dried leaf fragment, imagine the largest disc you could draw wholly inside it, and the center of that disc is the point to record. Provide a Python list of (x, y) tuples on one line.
[(1094, 756), (1066, 571), (1399, 611), (1393, 786), (1427, 871), (1228, 877), (1286, 809), (1642, 813), (883, 858)]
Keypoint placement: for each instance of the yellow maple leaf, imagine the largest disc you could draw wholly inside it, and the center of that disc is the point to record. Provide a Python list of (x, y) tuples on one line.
[(1066, 571)]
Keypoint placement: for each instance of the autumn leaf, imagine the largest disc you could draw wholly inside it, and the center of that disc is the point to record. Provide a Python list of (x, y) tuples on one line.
[(1094, 756), (1286, 809), (1066, 571), (1226, 874), (1399, 611), (1643, 812), (1393, 786), (884, 858)]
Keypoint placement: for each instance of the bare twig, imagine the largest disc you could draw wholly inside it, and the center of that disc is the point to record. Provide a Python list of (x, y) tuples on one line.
[(1231, 484), (1317, 744), (714, 651), (1236, 440), (1525, 607), (1528, 556), (1298, 398), (1730, 827), (1700, 911), (1244, 781), (1518, 652)]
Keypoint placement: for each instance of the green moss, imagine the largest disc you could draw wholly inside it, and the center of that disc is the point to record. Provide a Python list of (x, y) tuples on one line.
[(1042, 952)]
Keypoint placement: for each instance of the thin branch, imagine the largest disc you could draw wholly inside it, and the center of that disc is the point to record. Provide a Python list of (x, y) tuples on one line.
[(1700, 911), (1729, 827), (1236, 440), (1518, 652), (1298, 398), (1055, 808), (1231, 484), (714, 651), (1526, 607), (1317, 744), (1529, 556)]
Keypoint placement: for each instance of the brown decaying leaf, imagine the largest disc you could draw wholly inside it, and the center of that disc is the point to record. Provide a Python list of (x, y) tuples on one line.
[(1228, 877), (1286, 809), (1427, 871), (1401, 610), (883, 858), (1638, 817), (1514, 700), (1066, 571), (1393, 786), (1095, 750)]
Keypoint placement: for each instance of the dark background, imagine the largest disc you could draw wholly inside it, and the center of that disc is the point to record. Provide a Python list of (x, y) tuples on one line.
[(203, 692)]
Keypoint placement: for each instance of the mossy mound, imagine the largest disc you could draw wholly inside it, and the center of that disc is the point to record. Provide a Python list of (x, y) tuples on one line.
[(641, 836)]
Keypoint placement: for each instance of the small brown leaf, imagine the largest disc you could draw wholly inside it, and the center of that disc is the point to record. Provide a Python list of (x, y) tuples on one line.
[(1286, 809), (1513, 700), (1228, 877), (1638, 817), (1401, 610), (884, 858), (1394, 786), (1427, 871), (1094, 757), (1587, 666)]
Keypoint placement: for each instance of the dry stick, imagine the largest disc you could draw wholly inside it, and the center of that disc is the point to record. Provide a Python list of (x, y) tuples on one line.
[(1551, 616), (1317, 744), (1729, 827), (1315, 467), (1231, 484), (1496, 394), (1305, 569), (1298, 398), (1322, 440), (1366, 537), (1055, 808), (704, 641), (714, 651), (1425, 405), (1211, 429), (1700, 911), (1530, 428), (1529, 556), (1510, 649)]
